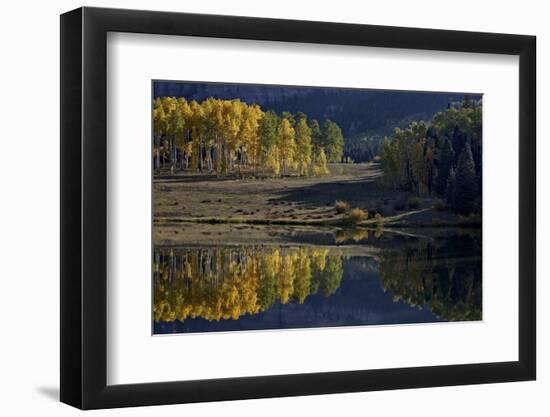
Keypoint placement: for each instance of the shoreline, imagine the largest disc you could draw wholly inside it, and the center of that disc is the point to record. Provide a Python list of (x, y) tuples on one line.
[(385, 222)]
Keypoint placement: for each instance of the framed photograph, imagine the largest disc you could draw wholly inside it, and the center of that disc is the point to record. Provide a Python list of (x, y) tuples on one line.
[(257, 208)]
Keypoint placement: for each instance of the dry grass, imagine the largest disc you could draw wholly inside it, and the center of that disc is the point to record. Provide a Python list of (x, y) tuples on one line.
[(312, 201), (356, 216), (341, 207), (278, 200)]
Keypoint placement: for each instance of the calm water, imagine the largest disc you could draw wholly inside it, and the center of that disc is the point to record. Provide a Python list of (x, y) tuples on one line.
[(355, 278)]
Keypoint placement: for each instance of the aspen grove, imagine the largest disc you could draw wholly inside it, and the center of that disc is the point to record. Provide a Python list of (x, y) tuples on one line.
[(232, 137)]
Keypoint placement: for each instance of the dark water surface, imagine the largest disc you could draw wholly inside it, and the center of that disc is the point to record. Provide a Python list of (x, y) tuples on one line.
[(358, 279)]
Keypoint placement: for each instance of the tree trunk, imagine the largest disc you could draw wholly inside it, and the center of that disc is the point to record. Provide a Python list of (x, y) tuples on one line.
[(173, 158), (157, 161), (201, 156)]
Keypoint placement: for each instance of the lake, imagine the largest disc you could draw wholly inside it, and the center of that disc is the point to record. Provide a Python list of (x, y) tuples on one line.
[(318, 278)]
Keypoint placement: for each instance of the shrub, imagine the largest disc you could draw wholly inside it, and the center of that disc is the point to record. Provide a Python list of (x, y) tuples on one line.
[(413, 202), (356, 216), (341, 206)]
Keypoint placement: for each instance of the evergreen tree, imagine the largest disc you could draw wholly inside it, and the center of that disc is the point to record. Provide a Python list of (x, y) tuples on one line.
[(268, 137), (446, 160), (300, 115), (316, 134), (450, 189), (333, 141), (427, 181), (290, 117), (466, 182), (407, 157)]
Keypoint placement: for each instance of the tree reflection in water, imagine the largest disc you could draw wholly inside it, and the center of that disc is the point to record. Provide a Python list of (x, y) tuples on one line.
[(445, 277), (226, 283)]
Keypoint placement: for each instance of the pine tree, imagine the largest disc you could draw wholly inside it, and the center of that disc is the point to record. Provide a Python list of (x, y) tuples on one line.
[(333, 141), (290, 117), (446, 160), (429, 170), (450, 189), (466, 182), (268, 138), (316, 134)]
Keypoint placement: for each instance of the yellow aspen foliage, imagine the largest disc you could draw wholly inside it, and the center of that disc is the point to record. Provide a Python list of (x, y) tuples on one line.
[(286, 145), (231, 136), (320, 167)]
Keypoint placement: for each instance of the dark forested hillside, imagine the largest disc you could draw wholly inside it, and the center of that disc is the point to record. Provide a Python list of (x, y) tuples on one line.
[(249, 93), (365, 112), (358, 112)]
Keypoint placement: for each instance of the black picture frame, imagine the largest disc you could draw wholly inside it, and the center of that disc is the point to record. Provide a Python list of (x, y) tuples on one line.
[(84, 207)]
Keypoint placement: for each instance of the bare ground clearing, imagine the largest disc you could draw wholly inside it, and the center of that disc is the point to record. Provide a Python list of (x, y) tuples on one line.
[(306, 201), (290, 198)]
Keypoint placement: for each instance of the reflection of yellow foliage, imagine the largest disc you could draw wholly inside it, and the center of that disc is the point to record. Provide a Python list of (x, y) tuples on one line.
[(357, 235), (318, 257), (341, 236), (302, 283), (360, 234), (227, 283)]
